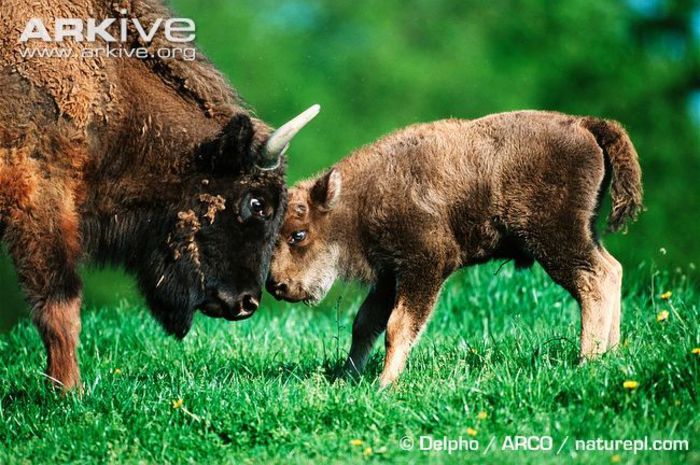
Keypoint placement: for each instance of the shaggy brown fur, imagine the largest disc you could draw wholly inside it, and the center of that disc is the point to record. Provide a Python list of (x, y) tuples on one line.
[(145, 163), (405, 212)]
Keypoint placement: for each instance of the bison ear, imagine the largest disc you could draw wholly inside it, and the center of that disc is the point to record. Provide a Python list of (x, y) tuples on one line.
[(231, 150), (325, 192)]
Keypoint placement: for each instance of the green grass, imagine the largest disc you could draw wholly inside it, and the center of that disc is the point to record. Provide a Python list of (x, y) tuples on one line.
[(262, 391)]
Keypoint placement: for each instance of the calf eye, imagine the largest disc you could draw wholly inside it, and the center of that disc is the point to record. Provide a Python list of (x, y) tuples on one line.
[(257, 206), (297, 237)]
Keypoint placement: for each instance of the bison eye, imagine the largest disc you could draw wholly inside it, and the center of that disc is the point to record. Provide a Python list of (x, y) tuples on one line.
[(257, 206), (297, 237)]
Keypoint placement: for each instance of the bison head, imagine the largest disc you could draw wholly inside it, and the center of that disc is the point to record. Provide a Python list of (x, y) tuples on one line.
[(212, 250)]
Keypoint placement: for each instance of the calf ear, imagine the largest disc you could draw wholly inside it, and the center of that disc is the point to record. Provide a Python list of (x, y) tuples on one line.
[(325, 193), (230, 151)]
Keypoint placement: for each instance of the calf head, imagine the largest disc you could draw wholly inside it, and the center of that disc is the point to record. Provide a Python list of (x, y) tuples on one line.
[(215, 243), (305, 260)]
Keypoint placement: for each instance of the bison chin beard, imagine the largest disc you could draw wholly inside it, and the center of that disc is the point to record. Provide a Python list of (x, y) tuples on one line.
[(175, 318), (171, 303)]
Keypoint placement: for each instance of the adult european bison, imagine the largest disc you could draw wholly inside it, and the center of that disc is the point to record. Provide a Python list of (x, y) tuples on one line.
[(150, 163)]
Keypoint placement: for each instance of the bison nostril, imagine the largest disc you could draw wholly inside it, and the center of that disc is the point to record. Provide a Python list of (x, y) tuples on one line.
[(225, 297), (250, 303)]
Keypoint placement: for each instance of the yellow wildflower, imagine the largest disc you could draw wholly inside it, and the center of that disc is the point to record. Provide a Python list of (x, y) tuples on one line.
[(482, 416), (117, 371), (356, 442), (178, 403), (616, 458), (367, 452), (631, 385), (662, 316), (666, 295), (471, 431), (695, 351)]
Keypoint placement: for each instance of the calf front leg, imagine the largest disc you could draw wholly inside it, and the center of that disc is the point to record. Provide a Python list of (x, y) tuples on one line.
[(370, 322), (415, 302)]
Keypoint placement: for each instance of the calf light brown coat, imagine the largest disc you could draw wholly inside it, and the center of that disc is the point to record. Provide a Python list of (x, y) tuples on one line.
[(403, 213)]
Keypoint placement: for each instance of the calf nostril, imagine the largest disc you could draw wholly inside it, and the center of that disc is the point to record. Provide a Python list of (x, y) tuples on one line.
[(250, 303), (281, 288)]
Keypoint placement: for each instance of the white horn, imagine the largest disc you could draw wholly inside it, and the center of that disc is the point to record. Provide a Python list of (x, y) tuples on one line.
[(279, 140)]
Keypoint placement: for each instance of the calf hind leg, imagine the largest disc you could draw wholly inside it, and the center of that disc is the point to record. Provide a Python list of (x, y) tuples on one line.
[(597, 289), (616, 296), (594, 281)]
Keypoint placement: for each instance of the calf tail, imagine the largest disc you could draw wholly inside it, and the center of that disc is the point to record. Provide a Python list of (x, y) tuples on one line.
[(626, 186)]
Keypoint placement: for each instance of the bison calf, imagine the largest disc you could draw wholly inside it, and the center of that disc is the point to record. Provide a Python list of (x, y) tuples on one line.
[(403, 213)]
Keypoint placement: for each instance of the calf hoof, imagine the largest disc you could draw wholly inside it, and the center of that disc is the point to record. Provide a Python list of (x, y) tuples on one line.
[(387, 381), (348, 372), (589, 357)]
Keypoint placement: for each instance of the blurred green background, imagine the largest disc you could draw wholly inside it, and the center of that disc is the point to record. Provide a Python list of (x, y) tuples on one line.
[(378, 65)]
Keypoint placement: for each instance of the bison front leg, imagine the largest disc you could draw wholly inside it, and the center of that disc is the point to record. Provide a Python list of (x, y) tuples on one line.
[(415, 302), (44, 245), (58, 322)]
